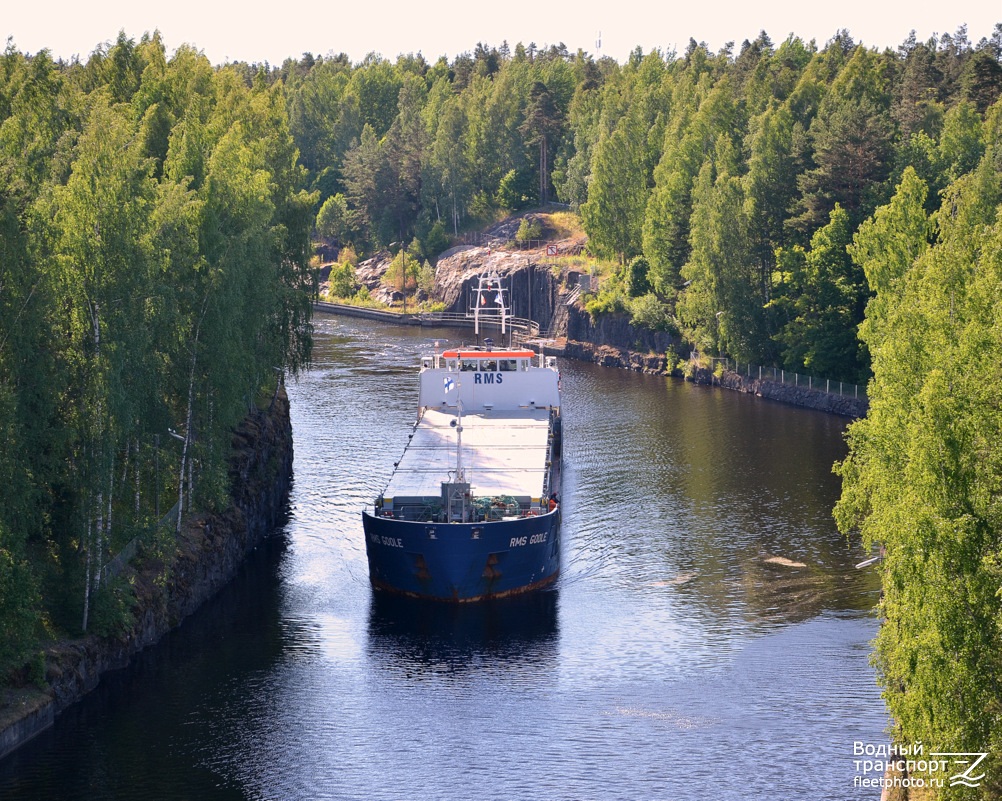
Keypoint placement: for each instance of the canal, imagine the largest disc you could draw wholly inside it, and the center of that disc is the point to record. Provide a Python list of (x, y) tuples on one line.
[(709, 636)]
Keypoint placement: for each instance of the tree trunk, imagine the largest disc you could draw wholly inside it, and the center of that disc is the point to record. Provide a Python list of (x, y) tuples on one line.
[(542, 170), (107, 518), (86, 599), (137, 480), (188, 418)]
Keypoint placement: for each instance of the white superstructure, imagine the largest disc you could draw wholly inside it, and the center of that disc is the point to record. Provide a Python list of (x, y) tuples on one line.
[(489, 379), (487, 424)]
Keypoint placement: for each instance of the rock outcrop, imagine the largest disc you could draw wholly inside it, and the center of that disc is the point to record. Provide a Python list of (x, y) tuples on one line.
[(634, 345), (533, 287)]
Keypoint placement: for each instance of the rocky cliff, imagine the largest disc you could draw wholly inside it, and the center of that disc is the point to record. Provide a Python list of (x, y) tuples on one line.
[(533, 286), (612, 340)]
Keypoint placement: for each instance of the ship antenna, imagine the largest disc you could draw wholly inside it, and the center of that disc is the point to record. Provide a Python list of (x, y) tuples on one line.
[(459, 440), (460, 474), (476, 307)]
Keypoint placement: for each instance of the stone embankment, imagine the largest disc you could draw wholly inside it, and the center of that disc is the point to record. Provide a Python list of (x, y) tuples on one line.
[(209, 551), (612, 342), (657, 363), (830, 402)]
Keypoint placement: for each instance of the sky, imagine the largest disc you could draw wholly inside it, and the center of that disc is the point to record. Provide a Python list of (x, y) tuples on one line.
[(269, 31)]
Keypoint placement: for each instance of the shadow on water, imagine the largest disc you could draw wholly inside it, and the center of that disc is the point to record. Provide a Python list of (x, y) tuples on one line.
[(120, 741), (717, 501), (426, 636)]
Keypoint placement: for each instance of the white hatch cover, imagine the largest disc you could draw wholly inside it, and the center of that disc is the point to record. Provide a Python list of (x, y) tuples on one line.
[(504, 453)]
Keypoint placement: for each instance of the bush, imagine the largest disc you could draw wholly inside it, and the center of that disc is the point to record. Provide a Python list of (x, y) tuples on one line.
[(636, 280), (342, 282), (480, 206), (347, 255), (426, 278), (36, 670), (332, 219), (17, 600), (435, 241), (608, 301), (652, 313), (111, 609), (393, 275), (673, 363), (514, 191), (363, 298), (528, 230)]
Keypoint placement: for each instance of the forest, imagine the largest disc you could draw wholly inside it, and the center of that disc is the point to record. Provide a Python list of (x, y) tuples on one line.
[(154, 273), (831, 209), (727, 185)]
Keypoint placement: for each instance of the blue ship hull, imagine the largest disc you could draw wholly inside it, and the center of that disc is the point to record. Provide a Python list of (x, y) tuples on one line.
[(462, 561)]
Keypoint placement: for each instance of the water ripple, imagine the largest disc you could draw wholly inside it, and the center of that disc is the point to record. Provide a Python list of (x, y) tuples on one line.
[(708, 629)]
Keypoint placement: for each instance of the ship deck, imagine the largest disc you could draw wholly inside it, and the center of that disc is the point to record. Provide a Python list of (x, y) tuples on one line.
[(504, 453)]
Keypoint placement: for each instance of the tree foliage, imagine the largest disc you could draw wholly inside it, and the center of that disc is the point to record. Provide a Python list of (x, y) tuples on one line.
[(922, 478), (155, 240), (800, 128)]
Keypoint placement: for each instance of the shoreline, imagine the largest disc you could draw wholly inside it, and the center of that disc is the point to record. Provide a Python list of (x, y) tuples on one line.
[(208, 553), (608, 355), (816, 399)]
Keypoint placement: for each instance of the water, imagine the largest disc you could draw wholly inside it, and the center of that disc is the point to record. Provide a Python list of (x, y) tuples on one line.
[(673, 660)]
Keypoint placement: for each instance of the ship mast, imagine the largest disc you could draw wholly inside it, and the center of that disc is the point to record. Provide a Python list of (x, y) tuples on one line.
[(456, 492), (486, 283), (460, 476)]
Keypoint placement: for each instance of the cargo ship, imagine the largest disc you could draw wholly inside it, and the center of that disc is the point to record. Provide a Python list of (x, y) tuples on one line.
[(471, 511)]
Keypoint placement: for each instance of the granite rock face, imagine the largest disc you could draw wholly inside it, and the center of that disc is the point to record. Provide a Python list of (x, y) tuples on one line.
[(532, 285), (615, 331)]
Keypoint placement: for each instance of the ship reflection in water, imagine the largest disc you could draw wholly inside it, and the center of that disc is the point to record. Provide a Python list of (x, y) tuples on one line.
[(431, 637)]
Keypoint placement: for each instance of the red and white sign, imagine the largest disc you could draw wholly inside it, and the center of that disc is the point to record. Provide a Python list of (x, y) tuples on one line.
[(551, 250)]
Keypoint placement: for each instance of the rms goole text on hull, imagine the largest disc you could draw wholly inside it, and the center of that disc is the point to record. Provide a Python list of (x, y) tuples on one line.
[(471, 509)]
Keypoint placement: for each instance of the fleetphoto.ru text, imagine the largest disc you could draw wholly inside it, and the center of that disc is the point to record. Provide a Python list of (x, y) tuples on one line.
[(910, 766)]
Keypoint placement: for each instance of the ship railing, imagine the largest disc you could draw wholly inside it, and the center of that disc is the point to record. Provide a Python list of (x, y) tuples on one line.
[(551, 458), (521, 328), (414, 512), (485, 510)]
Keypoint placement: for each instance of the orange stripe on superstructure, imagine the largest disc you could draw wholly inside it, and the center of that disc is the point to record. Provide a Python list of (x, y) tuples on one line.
[(488, 354)]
